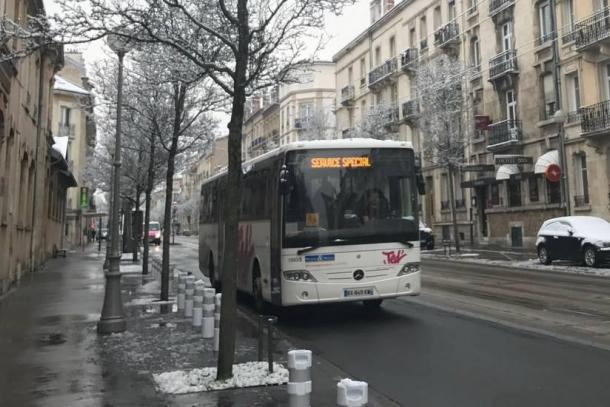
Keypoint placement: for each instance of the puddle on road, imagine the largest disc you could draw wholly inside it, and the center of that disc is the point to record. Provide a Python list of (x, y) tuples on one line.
[(51, 320), (52, 339)]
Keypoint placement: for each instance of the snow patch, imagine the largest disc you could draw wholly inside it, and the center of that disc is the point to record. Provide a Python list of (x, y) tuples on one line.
[(247, 374), (153, 287)]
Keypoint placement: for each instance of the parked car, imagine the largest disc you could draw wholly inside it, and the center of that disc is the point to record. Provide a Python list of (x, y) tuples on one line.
[(578, 238), (426, 238), (154, 233), (103, 235)]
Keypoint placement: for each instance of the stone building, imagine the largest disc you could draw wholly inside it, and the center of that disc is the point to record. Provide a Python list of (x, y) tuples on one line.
[(33, 175), (73, 119)]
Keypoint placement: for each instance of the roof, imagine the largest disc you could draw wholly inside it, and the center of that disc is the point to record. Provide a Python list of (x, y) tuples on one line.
[(61, 145), (322, 144), (64, 85)]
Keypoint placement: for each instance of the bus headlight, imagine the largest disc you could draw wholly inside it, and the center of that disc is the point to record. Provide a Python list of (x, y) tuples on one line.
[(408, 269), (299, 275)]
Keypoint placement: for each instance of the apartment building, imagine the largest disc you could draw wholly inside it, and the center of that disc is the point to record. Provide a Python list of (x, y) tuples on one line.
[(73, 120), (33, 175), (376, 74), (297, 110)]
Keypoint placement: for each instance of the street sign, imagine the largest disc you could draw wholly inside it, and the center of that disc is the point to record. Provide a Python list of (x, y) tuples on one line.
[(482, 122), (553, 173), (513, 159), (478, 168), (84, 197)]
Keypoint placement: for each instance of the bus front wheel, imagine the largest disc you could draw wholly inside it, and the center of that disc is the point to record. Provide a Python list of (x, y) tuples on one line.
[(372, 304)]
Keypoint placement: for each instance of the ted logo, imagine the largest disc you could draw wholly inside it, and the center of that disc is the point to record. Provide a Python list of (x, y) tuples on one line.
[(394, 257)]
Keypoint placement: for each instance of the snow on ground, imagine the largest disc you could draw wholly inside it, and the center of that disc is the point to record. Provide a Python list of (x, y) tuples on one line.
[(247, 374), (131, 269), (147, 301), (534, 264), (153, 287)]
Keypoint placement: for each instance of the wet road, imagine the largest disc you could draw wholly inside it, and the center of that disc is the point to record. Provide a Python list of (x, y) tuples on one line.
[(416, 354)]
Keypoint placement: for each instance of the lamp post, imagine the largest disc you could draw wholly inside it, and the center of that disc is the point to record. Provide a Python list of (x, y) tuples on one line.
[(112, 319), (559, 118)]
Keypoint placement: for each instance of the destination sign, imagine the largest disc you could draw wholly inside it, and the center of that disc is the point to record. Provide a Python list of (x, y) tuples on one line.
[(340, 162)]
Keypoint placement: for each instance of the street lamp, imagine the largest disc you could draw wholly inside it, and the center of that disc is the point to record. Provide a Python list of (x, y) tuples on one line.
[(559, 118), (112, 319)]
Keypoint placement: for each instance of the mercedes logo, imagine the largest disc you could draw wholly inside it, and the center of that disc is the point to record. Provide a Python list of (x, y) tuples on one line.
[(358, 275)]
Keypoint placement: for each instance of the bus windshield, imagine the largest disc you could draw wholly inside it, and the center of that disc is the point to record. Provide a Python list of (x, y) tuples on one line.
[(350, 196), (154, 226)]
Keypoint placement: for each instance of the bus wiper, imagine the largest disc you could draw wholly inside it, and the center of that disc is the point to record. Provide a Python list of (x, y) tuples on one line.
[(307, 249), (406, 243)]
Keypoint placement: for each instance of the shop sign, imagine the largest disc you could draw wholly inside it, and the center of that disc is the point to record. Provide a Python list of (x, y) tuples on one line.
[(513, 159), (478, 168)]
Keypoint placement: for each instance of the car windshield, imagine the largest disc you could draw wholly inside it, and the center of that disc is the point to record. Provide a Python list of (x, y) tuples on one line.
[(350, 196), (154, 226)]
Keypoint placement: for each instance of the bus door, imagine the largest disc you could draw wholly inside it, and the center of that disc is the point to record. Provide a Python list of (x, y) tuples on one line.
[(275, 266)]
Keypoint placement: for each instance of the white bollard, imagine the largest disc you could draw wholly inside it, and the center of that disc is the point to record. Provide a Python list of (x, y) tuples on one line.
[(198, 304), (207, 325), (299, 378), (217, 302), (181, 289), (172, 268), (189, 293), (352, 393)]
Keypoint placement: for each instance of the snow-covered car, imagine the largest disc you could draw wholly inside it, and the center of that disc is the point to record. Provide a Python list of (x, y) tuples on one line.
[(577, 238), (426, 238)]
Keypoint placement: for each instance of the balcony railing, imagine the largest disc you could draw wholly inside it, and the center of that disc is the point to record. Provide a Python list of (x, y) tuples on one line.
[(573, 117), (504, 132), (383, 71), (410, 110), (65, 130), (595, 118), (347, 94), (423, 44), (592, 29), (447, 35), (391, 115), (503, 64), (301, 123), (475, 72), (581, 200), (408, 58), (496, 6)]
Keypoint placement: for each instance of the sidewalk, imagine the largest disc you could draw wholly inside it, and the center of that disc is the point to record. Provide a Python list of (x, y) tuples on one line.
[(52, 356)]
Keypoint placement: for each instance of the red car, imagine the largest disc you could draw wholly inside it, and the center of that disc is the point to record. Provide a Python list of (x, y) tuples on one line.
[(154, 233)]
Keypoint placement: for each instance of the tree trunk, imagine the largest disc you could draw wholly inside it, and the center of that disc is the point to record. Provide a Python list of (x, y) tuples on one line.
[(138, 231), (452, 204), (179, 96), (228, 316), (148, 193)]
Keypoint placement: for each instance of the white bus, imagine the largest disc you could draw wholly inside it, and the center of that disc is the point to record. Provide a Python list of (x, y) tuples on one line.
[(321, 221)]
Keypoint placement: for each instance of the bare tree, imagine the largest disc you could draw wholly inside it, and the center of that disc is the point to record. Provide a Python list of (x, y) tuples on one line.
[(318, 125), (380, 122), (442, 98)]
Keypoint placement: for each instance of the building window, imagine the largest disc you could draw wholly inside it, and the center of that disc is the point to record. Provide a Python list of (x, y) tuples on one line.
[(511, 108), (350, 75), (494, 195), (514, 192), (545, 21), (362, 72), (451, 10), (394, 94), (533, 188), (568, 16), (392, 46), (550, 104), (475, 53), (553, 192), (437, 18), (573, 84), (444, 192), (606, 76), (377, 56), (507, 36), (412, 38), (423, 31), (64, 116), (582, 180)]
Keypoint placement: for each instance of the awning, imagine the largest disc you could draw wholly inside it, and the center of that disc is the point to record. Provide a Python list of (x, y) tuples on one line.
[(546, 159), (505, 171)]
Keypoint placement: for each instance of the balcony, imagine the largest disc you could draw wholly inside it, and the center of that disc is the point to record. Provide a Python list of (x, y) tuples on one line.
[(391, 116), (593, 31), (595, 119), (423, 45), (65, 130), (497, 6), (302, 123), (347, 95), (447, 36), (408, 60), (504, 134), (581, 200), (502, 65), (573, 117), (378, 75), (410, 111)]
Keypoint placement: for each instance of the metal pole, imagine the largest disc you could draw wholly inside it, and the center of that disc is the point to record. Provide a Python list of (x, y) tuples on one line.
[(99, 236), (112, 319), (270, 321), (261, 334)]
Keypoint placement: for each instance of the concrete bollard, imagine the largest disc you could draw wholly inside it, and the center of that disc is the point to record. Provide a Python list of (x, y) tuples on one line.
[(217, 303), (172, 269), (352, 393), (189, 293), (299, 378), (181, 289), (198, 304), (207, 328)]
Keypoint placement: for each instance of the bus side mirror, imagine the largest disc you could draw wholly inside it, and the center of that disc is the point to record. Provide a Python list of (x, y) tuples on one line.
[(284, 183)]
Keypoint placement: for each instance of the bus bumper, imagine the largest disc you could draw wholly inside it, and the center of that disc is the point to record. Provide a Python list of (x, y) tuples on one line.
[(300, 292)]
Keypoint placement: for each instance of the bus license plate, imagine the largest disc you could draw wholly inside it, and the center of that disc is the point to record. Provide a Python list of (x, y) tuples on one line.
[(358, 292)]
